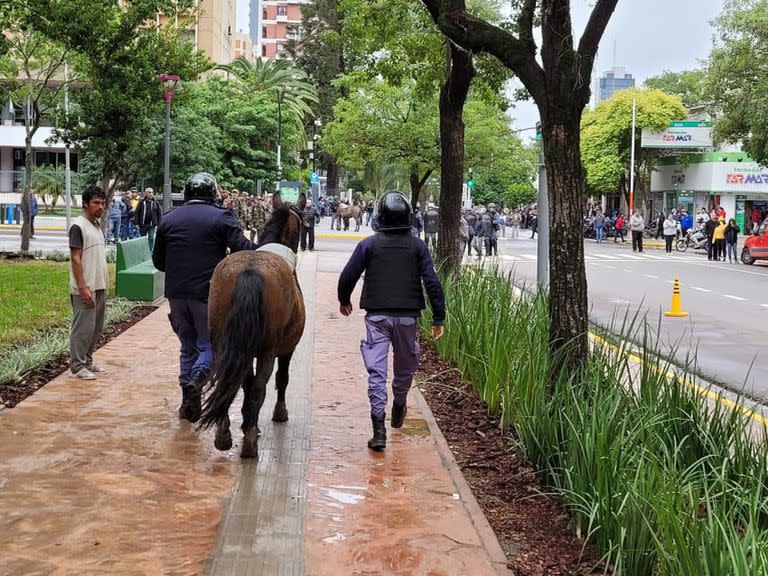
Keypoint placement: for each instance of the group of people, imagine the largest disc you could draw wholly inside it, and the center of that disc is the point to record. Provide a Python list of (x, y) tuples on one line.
[(130, 216), (191, 240)]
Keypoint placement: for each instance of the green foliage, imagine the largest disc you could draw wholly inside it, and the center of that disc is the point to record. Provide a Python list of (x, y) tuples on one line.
[(121, 58), (606, 136), (736, 87), (688, 84), (658, 478)]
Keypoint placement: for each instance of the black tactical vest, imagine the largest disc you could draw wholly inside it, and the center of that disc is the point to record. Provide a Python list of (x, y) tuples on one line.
[(393, 276)]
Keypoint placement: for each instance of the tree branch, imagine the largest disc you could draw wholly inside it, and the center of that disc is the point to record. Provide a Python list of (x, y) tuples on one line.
[(525, 24), (598, 21)]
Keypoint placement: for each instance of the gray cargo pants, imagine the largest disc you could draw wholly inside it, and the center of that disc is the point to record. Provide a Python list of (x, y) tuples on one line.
[(87, 322)]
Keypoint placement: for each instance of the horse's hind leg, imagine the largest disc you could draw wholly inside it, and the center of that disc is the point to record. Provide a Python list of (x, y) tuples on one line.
[(281, 383), (264, 367), (223, 440)]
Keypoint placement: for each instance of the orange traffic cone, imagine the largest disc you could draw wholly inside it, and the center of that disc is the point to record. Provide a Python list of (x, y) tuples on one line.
[(677, 308)]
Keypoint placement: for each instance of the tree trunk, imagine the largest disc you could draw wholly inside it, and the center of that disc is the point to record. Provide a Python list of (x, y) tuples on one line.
[(25, 198), (332, 175), (568, 310), (417, 184), (453, 95)]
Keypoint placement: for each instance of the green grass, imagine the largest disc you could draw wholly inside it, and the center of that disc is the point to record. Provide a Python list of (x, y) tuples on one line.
[(662, 481), (35, 299)]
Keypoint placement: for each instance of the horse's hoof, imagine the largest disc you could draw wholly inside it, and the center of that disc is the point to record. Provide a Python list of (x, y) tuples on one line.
[(249, 453), (280, 414), (250, 444), (223, 440)]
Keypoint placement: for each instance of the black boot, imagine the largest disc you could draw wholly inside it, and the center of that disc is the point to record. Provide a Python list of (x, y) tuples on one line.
[(191, 401), (379, 440), (398, 415)]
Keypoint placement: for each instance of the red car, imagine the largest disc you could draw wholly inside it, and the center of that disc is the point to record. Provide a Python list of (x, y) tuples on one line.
[(756, 246)]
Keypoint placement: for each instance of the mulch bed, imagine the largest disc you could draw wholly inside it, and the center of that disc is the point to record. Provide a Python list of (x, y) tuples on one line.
[(13, 392), (531, 526)]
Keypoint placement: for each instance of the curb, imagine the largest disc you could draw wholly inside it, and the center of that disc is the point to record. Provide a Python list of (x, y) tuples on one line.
[(487, 536), (18, 227)]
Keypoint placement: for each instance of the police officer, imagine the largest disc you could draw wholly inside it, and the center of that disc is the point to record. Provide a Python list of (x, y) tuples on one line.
[(190, 242), (431, 225), (397, 268)]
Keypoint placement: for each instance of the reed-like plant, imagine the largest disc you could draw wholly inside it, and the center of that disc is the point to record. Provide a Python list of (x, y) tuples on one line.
[(661, 479)]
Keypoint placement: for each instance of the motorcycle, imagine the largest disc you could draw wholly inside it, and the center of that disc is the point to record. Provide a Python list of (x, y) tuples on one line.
[(695, 238)]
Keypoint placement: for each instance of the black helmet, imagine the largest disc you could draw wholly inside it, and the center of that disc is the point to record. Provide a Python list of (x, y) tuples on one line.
[(395, 212), (201, 186)]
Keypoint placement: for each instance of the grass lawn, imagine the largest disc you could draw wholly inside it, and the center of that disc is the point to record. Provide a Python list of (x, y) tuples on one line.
[(35, 298)]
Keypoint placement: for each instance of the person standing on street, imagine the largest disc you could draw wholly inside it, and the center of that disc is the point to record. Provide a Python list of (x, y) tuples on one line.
[(686, 223), (114, 219), (637, 225), (599, 225), (148, 216), (710, 225), (33, 209), (719, 239), (463, 235), (533, 222), (191, 240), (431, 225), (517, 220), (397, 269), (670, 231), (309, 218), (618, 228), (88, 283), (471, 218), (731, 239)]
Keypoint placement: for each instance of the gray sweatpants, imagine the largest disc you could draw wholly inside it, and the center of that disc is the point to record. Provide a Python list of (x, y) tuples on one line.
[(87, 322)]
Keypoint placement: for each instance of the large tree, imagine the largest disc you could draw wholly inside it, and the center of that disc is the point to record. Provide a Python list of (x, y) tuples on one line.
[(123, 58), (688, 84), (736, 88), (34, 67), (606, 140), (559, 83)]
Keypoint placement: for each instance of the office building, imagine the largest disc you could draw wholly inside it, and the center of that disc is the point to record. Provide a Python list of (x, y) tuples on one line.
[(613, 81), (211, 29)]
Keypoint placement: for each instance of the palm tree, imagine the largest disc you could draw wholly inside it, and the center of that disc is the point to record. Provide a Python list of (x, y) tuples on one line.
[(292, 87)]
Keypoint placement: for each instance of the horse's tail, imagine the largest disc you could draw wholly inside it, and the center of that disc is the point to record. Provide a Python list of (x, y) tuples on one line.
[(237, 346)]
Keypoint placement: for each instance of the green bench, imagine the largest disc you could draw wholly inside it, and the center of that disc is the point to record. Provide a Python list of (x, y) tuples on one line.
[(137, 278)]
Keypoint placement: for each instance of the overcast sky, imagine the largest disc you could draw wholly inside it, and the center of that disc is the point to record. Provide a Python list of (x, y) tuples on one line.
[(649, 36)]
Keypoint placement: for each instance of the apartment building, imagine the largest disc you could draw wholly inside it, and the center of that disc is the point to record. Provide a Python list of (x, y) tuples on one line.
[(279, 21), (242, 46), (211, 29)]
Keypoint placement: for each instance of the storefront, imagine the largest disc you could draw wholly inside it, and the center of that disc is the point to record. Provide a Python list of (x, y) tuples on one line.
[(731, 180)]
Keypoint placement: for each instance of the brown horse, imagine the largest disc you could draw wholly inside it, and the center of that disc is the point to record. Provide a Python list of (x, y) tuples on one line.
[(345, 212), (255, 310)]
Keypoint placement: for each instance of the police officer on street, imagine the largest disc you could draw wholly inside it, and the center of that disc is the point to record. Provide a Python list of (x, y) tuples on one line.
[(190, 242)]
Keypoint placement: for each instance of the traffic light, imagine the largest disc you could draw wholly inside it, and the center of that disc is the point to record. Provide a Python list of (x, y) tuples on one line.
[(470, 179), (538, 130)]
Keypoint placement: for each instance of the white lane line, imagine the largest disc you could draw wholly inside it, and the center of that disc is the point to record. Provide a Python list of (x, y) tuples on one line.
[(732, 297), (529, 256), (606, 256), (632, 257), (700, 289), (670, 281), (652, 257), (611, 267), (764, 305), (625, 270), (652, 276)]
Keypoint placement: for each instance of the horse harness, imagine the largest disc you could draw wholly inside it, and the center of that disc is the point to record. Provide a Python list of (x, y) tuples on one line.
[(288, 255)]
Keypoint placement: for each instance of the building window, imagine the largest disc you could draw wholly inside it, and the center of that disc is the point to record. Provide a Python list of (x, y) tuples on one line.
[(264, 51), (264, 32), (282, 10), (264, 15)]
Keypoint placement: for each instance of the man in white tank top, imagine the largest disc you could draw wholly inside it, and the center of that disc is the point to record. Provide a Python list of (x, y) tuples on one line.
[(88, 283)]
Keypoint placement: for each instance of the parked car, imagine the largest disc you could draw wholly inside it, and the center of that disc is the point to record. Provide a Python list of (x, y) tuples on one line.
[(756, 246)]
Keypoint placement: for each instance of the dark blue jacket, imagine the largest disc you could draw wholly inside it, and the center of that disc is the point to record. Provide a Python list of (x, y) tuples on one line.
[(190, 241), (360, 260)]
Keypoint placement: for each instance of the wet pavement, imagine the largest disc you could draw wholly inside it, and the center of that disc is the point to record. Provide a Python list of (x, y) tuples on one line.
[(102, 478)]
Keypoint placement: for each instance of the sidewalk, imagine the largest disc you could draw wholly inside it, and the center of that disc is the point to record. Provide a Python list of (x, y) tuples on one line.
[(102, 478)]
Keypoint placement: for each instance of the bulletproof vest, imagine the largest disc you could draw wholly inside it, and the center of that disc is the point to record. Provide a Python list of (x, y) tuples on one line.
[(393, 274), (431, 219)]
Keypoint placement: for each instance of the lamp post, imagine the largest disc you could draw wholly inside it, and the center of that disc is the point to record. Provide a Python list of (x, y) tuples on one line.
[(280, 95), (316, 178), (169, 83)]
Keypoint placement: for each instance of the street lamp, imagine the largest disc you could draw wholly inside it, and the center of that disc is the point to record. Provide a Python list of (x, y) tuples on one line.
[(280, 95), (315, 177), (169, 83)]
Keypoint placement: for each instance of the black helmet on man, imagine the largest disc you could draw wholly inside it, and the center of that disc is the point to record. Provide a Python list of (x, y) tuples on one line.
[(395, 212), (201, 186)]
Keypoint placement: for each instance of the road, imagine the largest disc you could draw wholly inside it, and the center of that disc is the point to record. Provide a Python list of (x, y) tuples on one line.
[(728, 304)]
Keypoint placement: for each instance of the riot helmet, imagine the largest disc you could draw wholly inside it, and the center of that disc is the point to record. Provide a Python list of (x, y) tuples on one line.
[(395, 212), (201, 186)]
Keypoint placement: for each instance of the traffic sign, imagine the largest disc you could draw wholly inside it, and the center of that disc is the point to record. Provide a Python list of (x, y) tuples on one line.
[(471, 184), (314, 178)]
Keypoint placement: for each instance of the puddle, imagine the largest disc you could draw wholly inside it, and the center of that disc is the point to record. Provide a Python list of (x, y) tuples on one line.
[(415, 427), (344, 497)]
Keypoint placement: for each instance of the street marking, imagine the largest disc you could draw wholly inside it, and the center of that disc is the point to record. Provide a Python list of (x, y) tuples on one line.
[(700, 289), (652, 257), (652, 276), (739, 298), (611, 267), (671, 281), (702, 391), (606, 256), (625, 270), (764, 305), (529, 256), (632, 257)]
